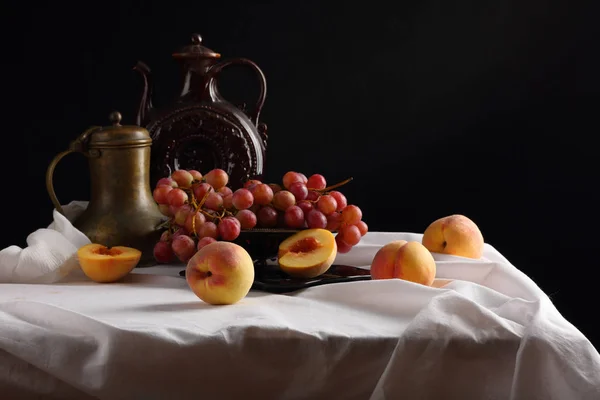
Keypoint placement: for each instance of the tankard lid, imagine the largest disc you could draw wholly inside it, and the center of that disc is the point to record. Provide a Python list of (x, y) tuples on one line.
[(117, 135)]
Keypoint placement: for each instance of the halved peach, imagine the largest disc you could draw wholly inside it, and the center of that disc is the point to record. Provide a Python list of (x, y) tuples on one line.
[(308, 253), (103, 264)]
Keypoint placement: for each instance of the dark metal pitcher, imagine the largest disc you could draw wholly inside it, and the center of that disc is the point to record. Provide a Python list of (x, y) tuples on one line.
[(121, 211)]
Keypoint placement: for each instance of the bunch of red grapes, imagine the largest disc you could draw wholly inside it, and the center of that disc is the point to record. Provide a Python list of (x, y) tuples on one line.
[(203, 209)]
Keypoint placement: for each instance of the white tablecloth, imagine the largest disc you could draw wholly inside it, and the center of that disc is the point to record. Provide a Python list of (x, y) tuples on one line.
[(489, 334)]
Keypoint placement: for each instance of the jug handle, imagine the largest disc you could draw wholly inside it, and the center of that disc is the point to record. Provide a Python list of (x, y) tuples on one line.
[(79, 145), (215, 70)]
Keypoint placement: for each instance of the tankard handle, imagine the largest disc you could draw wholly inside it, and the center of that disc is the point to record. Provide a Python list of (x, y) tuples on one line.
[(78, 145), (216, 69)]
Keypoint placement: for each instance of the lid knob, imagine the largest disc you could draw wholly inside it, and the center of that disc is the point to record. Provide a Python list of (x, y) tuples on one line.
[(196, 38), (115, 118), (195, 50)]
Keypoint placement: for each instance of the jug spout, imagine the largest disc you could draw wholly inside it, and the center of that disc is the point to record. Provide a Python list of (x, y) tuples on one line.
[(146, 98)]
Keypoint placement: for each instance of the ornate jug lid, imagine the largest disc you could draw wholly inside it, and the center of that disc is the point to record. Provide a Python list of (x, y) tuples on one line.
[(196, 50)]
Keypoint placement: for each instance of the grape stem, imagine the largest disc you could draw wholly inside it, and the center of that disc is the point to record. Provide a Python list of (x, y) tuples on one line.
[(204, 198), (165, 224), (194, 225), (198, 207), (329, 188)]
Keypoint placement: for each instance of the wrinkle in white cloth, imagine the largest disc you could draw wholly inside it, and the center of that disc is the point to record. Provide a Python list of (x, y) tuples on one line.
[(490, 333), (50, 253)]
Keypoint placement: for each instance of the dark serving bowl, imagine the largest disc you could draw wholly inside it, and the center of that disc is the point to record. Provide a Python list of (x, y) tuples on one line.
[(263, 244)]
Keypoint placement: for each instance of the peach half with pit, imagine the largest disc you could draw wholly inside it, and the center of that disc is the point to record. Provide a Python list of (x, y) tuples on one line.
[(307, 253), (104, 264)]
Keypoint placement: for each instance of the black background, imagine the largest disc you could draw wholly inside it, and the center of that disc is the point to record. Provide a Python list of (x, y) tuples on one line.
[(485, 108)]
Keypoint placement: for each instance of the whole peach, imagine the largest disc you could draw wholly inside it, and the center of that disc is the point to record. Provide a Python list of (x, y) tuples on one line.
[(220, 273), (409, 261), (455, 235)]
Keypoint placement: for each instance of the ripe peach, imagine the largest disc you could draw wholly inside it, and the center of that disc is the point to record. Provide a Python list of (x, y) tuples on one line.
[(220, 273), (103, 264), (308, 253), (400, 259), (456, 235)]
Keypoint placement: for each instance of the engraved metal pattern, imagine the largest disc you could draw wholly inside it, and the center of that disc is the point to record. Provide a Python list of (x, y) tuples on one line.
[(202, 137)]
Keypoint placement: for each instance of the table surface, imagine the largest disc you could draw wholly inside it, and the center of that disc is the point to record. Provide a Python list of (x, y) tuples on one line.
[(490, 333)]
